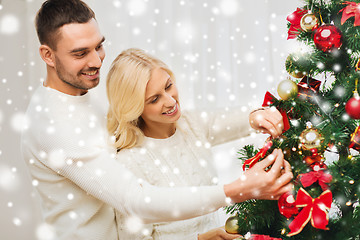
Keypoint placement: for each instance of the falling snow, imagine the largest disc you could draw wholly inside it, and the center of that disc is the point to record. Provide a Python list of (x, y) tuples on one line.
[(9, 24), (224, 53)]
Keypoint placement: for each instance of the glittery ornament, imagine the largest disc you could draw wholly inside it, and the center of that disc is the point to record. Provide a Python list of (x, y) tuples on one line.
[(286, 204), (311, 139), (287, 89), (327, 37), (231, 224), (352, 107), (290, 60), (309, 22)]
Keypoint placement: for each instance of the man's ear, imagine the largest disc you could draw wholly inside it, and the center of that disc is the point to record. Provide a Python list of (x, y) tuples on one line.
[(47, 54)]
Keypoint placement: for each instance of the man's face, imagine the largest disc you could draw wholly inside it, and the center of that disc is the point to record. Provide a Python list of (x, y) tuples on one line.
[(78, 57)]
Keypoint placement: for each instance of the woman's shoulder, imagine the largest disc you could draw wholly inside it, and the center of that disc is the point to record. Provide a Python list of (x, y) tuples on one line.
[(196, 120)]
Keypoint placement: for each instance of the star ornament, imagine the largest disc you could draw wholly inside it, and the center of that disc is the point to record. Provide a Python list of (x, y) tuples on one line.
[(351, 10)]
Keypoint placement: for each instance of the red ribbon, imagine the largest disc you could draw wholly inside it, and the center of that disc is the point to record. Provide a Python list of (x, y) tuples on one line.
[(294, 20), (268, 100), (249, 163), (351, 10), (307, 179), (316, 210)]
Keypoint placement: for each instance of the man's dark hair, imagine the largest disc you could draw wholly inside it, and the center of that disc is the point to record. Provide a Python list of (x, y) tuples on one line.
[(53, 14)]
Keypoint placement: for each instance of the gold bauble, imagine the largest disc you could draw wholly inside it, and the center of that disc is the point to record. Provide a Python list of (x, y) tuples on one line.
[(287, 89), (297, 74), (290, 60), (231, 225), (308, 22), (310, 138)]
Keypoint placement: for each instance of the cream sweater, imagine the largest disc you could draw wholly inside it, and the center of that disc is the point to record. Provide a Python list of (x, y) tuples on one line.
[(184, 159), (79, 180)]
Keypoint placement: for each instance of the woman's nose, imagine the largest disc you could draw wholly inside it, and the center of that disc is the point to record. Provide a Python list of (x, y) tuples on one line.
[(170, 100)]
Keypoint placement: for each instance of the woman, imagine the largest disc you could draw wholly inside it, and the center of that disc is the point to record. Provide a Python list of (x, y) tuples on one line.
[(161, 145)]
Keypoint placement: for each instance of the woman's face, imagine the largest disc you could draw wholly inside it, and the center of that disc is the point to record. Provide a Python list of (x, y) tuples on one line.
[(162, 107)]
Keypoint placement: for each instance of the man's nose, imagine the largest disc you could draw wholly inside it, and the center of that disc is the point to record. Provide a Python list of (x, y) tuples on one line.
[(95, 59)]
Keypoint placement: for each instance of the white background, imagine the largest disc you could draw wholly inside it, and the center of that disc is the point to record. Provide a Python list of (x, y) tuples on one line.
[(223, 52)]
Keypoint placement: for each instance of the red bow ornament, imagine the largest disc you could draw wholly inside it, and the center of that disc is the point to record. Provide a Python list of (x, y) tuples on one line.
[(248, 163), (268, 100), (314, 209), (351, 10), (294, 20), (307, 179)]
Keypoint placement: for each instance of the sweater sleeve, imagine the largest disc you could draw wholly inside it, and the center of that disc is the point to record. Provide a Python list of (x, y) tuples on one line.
[(221, 126), (76, 151)]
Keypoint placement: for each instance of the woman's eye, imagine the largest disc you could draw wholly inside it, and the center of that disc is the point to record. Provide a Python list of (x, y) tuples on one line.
[(154, 100), (168, 86)]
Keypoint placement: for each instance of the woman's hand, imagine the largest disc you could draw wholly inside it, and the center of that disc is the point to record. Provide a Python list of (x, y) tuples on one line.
[(217, 234), (260, 182), (267, 120)]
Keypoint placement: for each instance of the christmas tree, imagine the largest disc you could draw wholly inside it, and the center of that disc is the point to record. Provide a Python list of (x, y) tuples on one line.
[(320, 105)]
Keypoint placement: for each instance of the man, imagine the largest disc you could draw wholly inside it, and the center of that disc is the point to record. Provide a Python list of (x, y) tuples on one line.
[(79, 181)]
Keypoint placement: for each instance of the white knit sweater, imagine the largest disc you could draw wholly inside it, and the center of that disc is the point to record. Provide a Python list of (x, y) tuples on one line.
[(184, 159), (79, 180)]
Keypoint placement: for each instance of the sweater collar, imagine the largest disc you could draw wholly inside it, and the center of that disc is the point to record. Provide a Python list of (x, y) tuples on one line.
[(63, 96)]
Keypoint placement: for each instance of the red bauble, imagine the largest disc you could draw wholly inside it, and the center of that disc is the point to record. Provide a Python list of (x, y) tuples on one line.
[(352, 107), (327, 37), (286, 204)]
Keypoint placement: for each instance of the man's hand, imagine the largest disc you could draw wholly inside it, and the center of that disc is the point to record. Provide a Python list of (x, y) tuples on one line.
[(267, 120), (267, 179)]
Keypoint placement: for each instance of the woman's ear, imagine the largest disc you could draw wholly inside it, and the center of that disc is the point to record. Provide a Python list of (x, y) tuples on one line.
[(47, 54)]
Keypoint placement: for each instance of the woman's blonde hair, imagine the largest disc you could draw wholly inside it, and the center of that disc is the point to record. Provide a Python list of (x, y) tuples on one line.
[(126, 85)]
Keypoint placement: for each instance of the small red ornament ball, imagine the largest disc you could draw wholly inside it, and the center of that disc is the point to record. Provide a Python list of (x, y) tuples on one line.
[(327, 37), (286, 204), (352, 107)]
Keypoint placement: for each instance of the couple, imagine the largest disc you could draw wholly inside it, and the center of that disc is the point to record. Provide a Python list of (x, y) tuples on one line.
[(160, 168)]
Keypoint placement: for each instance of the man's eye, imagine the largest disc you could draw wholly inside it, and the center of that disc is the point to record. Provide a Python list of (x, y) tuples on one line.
[(99, 47), (80, 54)]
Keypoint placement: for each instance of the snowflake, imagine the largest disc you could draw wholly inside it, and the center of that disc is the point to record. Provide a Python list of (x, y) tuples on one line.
[(133, 224), (9, 24), (8, 180), (57, 158), (184, 32), (45, 232), (136, 7), (229, 7), (117, 3)]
